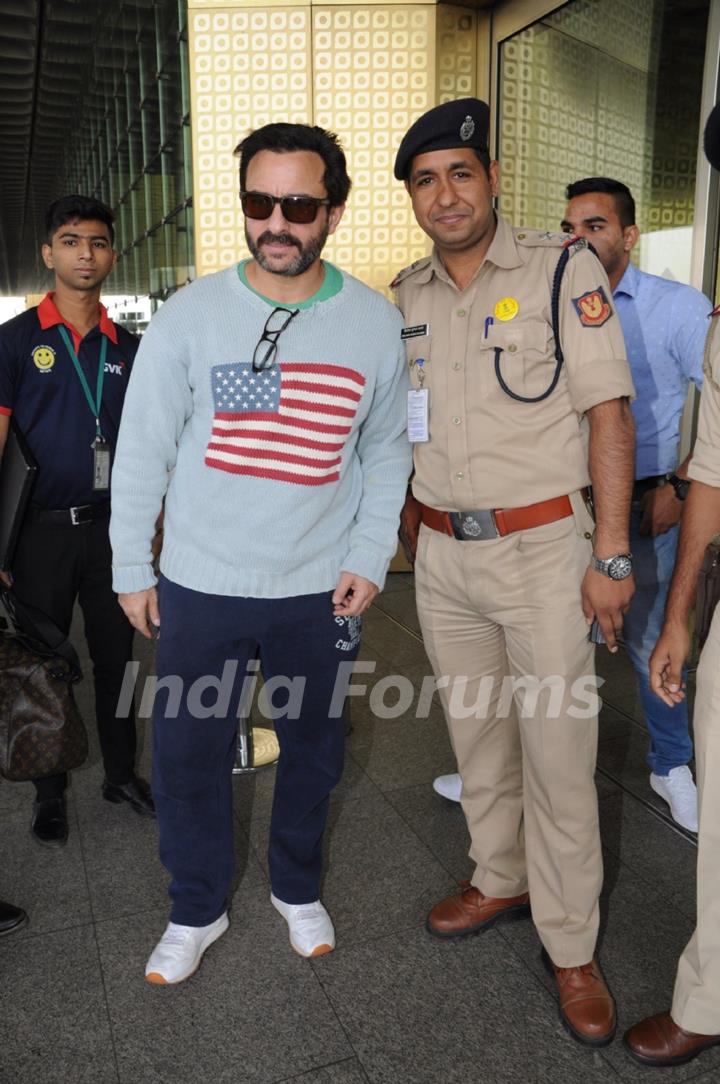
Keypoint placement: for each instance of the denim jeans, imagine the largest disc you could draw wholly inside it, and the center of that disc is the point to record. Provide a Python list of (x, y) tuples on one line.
[(654, 559)]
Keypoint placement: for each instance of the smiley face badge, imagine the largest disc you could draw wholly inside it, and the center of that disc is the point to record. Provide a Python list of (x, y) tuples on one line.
[(44, 358)]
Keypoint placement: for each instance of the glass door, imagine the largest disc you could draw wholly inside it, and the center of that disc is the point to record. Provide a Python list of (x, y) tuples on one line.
[(615, 88)]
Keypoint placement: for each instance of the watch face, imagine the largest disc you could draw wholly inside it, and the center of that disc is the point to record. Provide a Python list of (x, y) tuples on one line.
[(620, 567)]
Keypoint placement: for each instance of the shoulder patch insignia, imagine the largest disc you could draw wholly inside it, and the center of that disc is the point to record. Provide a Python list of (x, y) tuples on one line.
[(593, 308), (407, 271)]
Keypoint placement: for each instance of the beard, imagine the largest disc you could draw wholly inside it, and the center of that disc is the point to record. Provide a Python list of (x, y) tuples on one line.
[(306, 257)]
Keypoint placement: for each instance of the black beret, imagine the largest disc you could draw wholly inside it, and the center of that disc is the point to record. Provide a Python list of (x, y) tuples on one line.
[(712, 137), (462, 123)]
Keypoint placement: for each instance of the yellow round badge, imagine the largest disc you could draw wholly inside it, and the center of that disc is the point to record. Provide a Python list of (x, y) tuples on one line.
[(44, 358), (506, 308)]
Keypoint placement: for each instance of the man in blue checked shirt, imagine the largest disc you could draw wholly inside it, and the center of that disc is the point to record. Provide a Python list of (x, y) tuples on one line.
[(664, 324)]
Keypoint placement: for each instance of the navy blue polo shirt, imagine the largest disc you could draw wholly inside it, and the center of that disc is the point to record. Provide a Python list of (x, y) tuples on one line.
[(41, 389)]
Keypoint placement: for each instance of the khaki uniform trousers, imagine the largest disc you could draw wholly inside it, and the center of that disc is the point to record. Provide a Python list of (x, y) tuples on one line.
[(696, 999), (492, 614)]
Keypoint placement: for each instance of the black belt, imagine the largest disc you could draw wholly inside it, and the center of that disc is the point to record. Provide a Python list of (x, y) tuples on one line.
[(78, 516), (644, 485)]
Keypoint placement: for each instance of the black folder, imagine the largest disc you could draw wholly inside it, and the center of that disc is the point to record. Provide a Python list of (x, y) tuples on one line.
[(17, 476)]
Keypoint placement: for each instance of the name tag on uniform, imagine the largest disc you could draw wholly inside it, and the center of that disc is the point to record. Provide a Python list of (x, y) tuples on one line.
[(101, 464), (415, 331), (417, 415)]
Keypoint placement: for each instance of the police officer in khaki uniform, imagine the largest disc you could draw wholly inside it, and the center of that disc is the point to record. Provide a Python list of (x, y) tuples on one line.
[(508, 578), (693, 1023)]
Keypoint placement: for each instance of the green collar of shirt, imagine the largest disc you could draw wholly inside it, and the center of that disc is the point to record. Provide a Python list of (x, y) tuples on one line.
[(332, 284)]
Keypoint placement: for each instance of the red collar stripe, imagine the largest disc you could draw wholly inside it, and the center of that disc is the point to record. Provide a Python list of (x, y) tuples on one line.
[(49, 316)]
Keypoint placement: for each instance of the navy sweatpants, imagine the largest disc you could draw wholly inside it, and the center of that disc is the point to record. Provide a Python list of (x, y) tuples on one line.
[(302, 646)]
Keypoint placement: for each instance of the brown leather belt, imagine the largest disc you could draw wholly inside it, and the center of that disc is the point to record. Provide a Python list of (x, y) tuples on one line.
[(483, 523)]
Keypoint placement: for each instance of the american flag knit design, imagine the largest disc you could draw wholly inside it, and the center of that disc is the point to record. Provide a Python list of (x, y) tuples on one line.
[(289, 423)]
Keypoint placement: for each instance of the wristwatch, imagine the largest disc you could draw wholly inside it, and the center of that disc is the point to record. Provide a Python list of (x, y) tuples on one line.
[(618, 567), (680, 485)]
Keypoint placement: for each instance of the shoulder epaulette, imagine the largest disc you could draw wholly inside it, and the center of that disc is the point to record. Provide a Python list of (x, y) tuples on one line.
[(541, 238), (407, 271), (576, 244)]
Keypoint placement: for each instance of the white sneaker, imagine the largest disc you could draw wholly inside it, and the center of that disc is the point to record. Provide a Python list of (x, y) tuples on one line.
[(311, 930), (179, 951), (449, 786), (679, 791)]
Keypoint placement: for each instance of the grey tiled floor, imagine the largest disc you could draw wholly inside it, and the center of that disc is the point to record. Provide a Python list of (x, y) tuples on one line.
[(391, 1005)]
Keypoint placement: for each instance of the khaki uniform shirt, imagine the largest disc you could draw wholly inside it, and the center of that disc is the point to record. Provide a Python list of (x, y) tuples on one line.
[(705, 462), (486, 449)]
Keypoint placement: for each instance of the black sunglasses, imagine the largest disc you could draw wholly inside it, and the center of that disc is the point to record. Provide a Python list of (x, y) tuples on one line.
[(298, 209), (269, 339)]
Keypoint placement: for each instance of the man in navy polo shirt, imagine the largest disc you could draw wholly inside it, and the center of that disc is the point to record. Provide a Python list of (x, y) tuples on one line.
[(64, 371)]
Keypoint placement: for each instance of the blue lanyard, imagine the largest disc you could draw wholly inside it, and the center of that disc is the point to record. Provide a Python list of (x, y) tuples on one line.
[(95, 403)]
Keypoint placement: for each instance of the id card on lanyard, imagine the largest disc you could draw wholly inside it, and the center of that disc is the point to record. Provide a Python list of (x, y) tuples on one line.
[(417, 405), (100, 447)]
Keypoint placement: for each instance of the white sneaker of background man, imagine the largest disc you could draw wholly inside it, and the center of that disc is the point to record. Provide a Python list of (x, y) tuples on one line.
[(448, 786), (678, 789)]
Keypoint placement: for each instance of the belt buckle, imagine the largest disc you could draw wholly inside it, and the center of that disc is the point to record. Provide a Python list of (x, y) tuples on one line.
[(469, 526), (76, 512)]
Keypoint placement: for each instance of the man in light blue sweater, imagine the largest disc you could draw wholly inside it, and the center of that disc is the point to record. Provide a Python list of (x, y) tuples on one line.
[(267, 406)]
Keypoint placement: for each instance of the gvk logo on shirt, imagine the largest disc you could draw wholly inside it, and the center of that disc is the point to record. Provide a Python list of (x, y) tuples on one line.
[(44, 361)]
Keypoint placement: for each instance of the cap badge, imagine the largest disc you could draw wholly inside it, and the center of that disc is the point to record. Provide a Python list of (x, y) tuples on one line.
[(467, 128)]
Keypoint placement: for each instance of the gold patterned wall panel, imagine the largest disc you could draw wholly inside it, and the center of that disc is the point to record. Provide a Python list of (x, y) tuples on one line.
[(364, 71), (456, 46), (373, 74), (230, 4), (595, 89), (677, 117), (624, 29), (567, 111), (249, 66)]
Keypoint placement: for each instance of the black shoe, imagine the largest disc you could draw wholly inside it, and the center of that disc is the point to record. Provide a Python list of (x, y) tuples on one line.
[(11, 918), (49, 823), (136, 792)]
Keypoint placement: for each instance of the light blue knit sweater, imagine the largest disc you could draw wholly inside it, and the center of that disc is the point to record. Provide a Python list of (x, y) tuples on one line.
[(274, 483)]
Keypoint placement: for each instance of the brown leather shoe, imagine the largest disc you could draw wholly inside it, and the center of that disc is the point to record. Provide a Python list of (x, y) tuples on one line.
[(587, 1008), (658, 1040), (468, 911)]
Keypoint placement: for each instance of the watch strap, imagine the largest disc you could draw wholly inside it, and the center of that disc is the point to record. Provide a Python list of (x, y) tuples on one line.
[(680, 485), (603, 565)]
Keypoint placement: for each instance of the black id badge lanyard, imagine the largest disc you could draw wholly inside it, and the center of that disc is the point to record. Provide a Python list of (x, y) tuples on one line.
[(100, 447)]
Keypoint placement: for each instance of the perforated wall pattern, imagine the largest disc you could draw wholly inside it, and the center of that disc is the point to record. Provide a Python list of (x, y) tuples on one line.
[(248, 67), (364, 72)]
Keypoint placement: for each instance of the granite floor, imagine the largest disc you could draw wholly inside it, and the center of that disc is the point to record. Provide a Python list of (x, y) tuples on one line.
[(391, 1005)]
